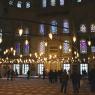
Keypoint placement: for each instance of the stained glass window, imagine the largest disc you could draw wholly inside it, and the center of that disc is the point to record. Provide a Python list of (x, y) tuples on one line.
[(19, 4), (1, 36), (66, 46), (61, 2), (17, 47), (83, 46), (42, 47), (93, 49), (54, 27), (65, 26), (26, 32), (92, 27), (83, 28), (11, 2), (28, 4), (26, 49), (44, 3), (42, 29), (53, 2)]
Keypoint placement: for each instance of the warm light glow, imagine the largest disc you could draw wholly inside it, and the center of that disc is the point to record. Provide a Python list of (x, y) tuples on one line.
[(89, 43), (74, 39), (6, 51), (20, 31), (0, 40), (14, 52), (41, 53), (75, 52), (30, 54), (36, 54), (26, 42), (60, 47), (55, 56), (88, 58), (50, 56), (45, 59), (21, 55), (45, 44), (11, 48), (70, 50), (93, 57), (50, 36)]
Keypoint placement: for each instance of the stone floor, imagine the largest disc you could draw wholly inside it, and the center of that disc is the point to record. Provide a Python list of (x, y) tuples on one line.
[(37, 87)]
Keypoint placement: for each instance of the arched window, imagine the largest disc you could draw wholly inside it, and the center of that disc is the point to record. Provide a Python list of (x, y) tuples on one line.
[(11, 2), (93, 49), (83, 46), (83, 28), (28, 4), (44, 3), (19, 4), (92, 27), (42, 47), (61, 2), (26, 31), (65, 26), (42, 29), (26, 49), (1, 36), (53, 2), (53, 27), (66, 46), (17, 47)]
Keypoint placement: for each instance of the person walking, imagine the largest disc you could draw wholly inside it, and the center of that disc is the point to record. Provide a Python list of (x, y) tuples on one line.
[(91, 78), (44, 73), (28, 74), (64, 82), (75, 77)]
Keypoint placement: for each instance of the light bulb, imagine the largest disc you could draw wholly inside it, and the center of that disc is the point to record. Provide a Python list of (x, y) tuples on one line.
[(50, 36), (74, 39), (20, 31), (89, 43)]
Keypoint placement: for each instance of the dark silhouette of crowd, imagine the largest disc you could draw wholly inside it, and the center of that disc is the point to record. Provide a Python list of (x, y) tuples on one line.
[(64, 81), (11, 74), (75, 77), (62, 77), (91, 77)]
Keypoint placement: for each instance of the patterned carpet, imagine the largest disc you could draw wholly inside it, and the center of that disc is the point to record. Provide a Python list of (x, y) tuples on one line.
[(36, 87)]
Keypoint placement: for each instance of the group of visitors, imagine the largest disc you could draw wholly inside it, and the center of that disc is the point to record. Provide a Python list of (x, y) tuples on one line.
[(75, 78), (63, 77), (11, 74)]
